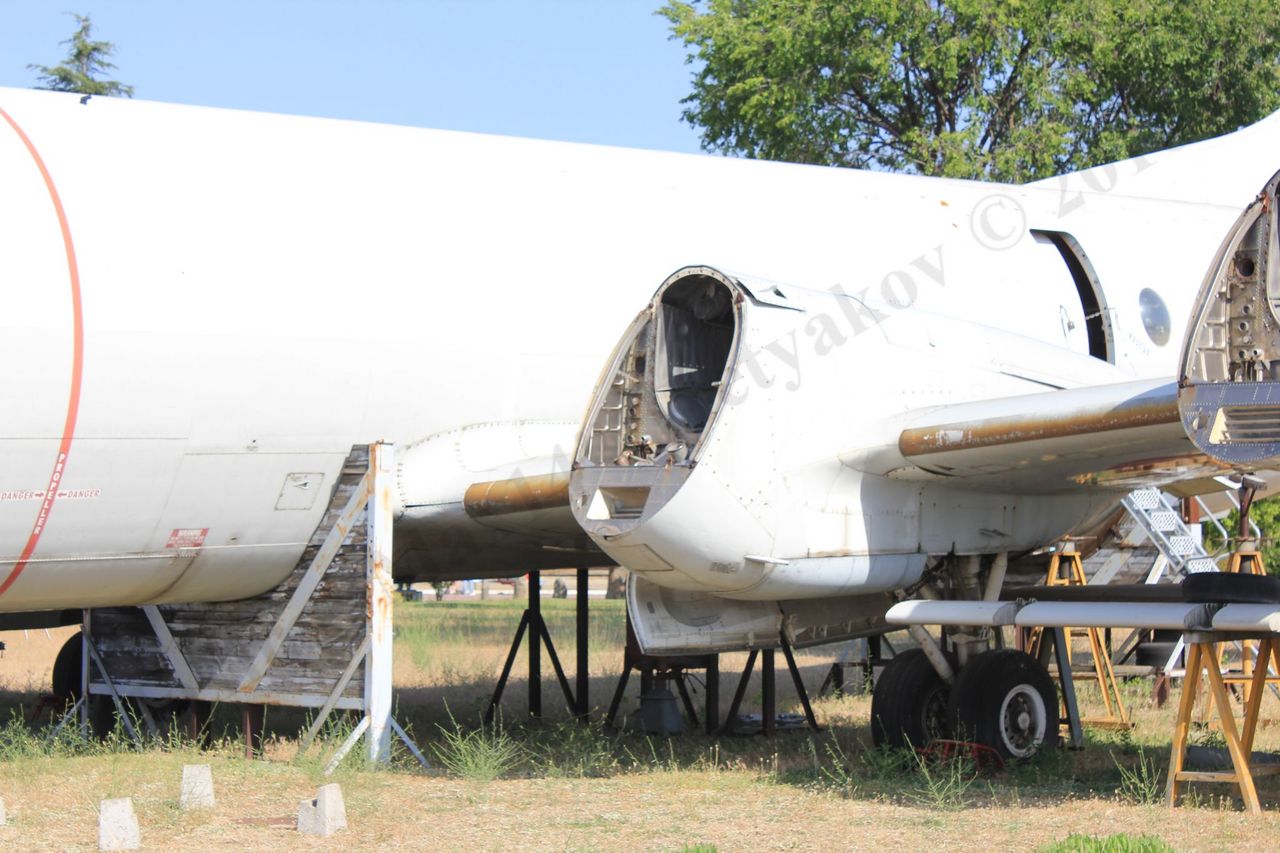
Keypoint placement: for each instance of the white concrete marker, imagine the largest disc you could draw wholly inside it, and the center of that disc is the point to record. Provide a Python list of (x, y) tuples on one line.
[(118, 825), (324, 815), (197, 787), (4, 816)]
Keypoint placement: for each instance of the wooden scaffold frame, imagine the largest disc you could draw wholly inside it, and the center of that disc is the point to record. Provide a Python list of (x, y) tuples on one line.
[(1067, 569), (351, 552)]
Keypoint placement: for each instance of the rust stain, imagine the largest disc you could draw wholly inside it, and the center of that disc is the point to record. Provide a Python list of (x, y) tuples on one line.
[(995, 432), (1145, 471), (379, 600), (838, 552), (520, 494)]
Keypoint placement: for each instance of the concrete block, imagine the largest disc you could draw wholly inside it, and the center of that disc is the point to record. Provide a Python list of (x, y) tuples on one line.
[(197, 787), (4, 815), (324, 815), (118, 825)]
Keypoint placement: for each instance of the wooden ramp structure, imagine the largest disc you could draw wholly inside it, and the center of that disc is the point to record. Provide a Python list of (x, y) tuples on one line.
[(322, 639)]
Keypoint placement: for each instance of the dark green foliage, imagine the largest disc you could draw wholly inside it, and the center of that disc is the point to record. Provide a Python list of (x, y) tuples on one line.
[(86, 61), (1266, 515), (967, 88)]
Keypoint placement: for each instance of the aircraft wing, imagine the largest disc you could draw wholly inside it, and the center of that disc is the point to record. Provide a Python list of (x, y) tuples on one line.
[(1121, 436)]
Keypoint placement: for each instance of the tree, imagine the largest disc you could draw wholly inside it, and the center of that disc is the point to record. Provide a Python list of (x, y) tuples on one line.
[(86, 60), (1265, 513), (970, 88)]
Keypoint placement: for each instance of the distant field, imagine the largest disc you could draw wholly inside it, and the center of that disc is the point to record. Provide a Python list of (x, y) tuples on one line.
[(562, 786)]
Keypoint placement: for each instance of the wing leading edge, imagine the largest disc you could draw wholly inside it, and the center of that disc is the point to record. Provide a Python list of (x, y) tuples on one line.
[(1121, 437)]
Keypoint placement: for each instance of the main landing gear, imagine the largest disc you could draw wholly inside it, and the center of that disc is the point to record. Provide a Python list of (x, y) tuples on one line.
[(1001, 699), (998, 698)]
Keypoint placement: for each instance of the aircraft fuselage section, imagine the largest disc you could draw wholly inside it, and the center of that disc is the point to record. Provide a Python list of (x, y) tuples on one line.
[(203, 310)]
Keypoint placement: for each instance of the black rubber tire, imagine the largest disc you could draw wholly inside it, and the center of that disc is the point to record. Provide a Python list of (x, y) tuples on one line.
[(909, 704), (65, 681), (65, 684), (1230, 588), (1153, 653), (1005, 700)]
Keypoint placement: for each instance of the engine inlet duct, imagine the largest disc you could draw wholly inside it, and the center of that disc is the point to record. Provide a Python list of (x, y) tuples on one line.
[(1229, 377), (661, 392)]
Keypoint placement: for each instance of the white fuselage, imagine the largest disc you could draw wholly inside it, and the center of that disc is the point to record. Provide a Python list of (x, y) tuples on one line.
[(257, 293)]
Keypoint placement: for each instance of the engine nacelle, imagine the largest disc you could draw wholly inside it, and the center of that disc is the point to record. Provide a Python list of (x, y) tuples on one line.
[(743, 441)]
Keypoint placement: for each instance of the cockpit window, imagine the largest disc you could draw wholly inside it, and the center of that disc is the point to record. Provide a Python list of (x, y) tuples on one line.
[(693, 349)]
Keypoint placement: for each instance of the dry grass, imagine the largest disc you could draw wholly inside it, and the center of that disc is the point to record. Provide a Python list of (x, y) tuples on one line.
[(571, 787), (28, 656)]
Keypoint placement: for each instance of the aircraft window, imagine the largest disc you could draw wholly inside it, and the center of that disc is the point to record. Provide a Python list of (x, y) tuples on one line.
[(1155, 316)]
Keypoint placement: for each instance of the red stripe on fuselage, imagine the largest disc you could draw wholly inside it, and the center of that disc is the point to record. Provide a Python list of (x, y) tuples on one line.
[(77, 363)]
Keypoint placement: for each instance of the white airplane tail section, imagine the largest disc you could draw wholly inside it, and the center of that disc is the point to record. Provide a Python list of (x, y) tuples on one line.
[(1225, 170)]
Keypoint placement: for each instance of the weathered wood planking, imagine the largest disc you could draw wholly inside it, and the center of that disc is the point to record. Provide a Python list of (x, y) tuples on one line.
[(219, 641)]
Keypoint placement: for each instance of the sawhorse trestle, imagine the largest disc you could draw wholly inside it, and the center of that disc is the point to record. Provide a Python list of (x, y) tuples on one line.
[(1204, 665), (1066, 569)]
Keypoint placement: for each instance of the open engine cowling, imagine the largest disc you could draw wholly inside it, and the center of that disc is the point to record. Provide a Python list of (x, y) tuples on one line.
[(1229, 380)]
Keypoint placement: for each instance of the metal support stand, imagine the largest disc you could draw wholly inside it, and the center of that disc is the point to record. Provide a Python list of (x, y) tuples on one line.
[(582, 708), (768, 702), (652, 667), (536, 627), (72, 713), (799, 683), (1052, 645), (768, 689), (198, 722), (254, 716), (863, 653), (531, 620)]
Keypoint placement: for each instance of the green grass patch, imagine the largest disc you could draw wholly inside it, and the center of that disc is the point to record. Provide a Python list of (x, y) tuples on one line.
[(1111, 844), (450, 642)]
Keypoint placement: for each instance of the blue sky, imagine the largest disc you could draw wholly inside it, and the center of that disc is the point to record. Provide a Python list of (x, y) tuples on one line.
[(599, 71)]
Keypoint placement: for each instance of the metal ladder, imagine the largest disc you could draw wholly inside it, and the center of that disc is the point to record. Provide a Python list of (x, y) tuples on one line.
[(1181, 553)]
